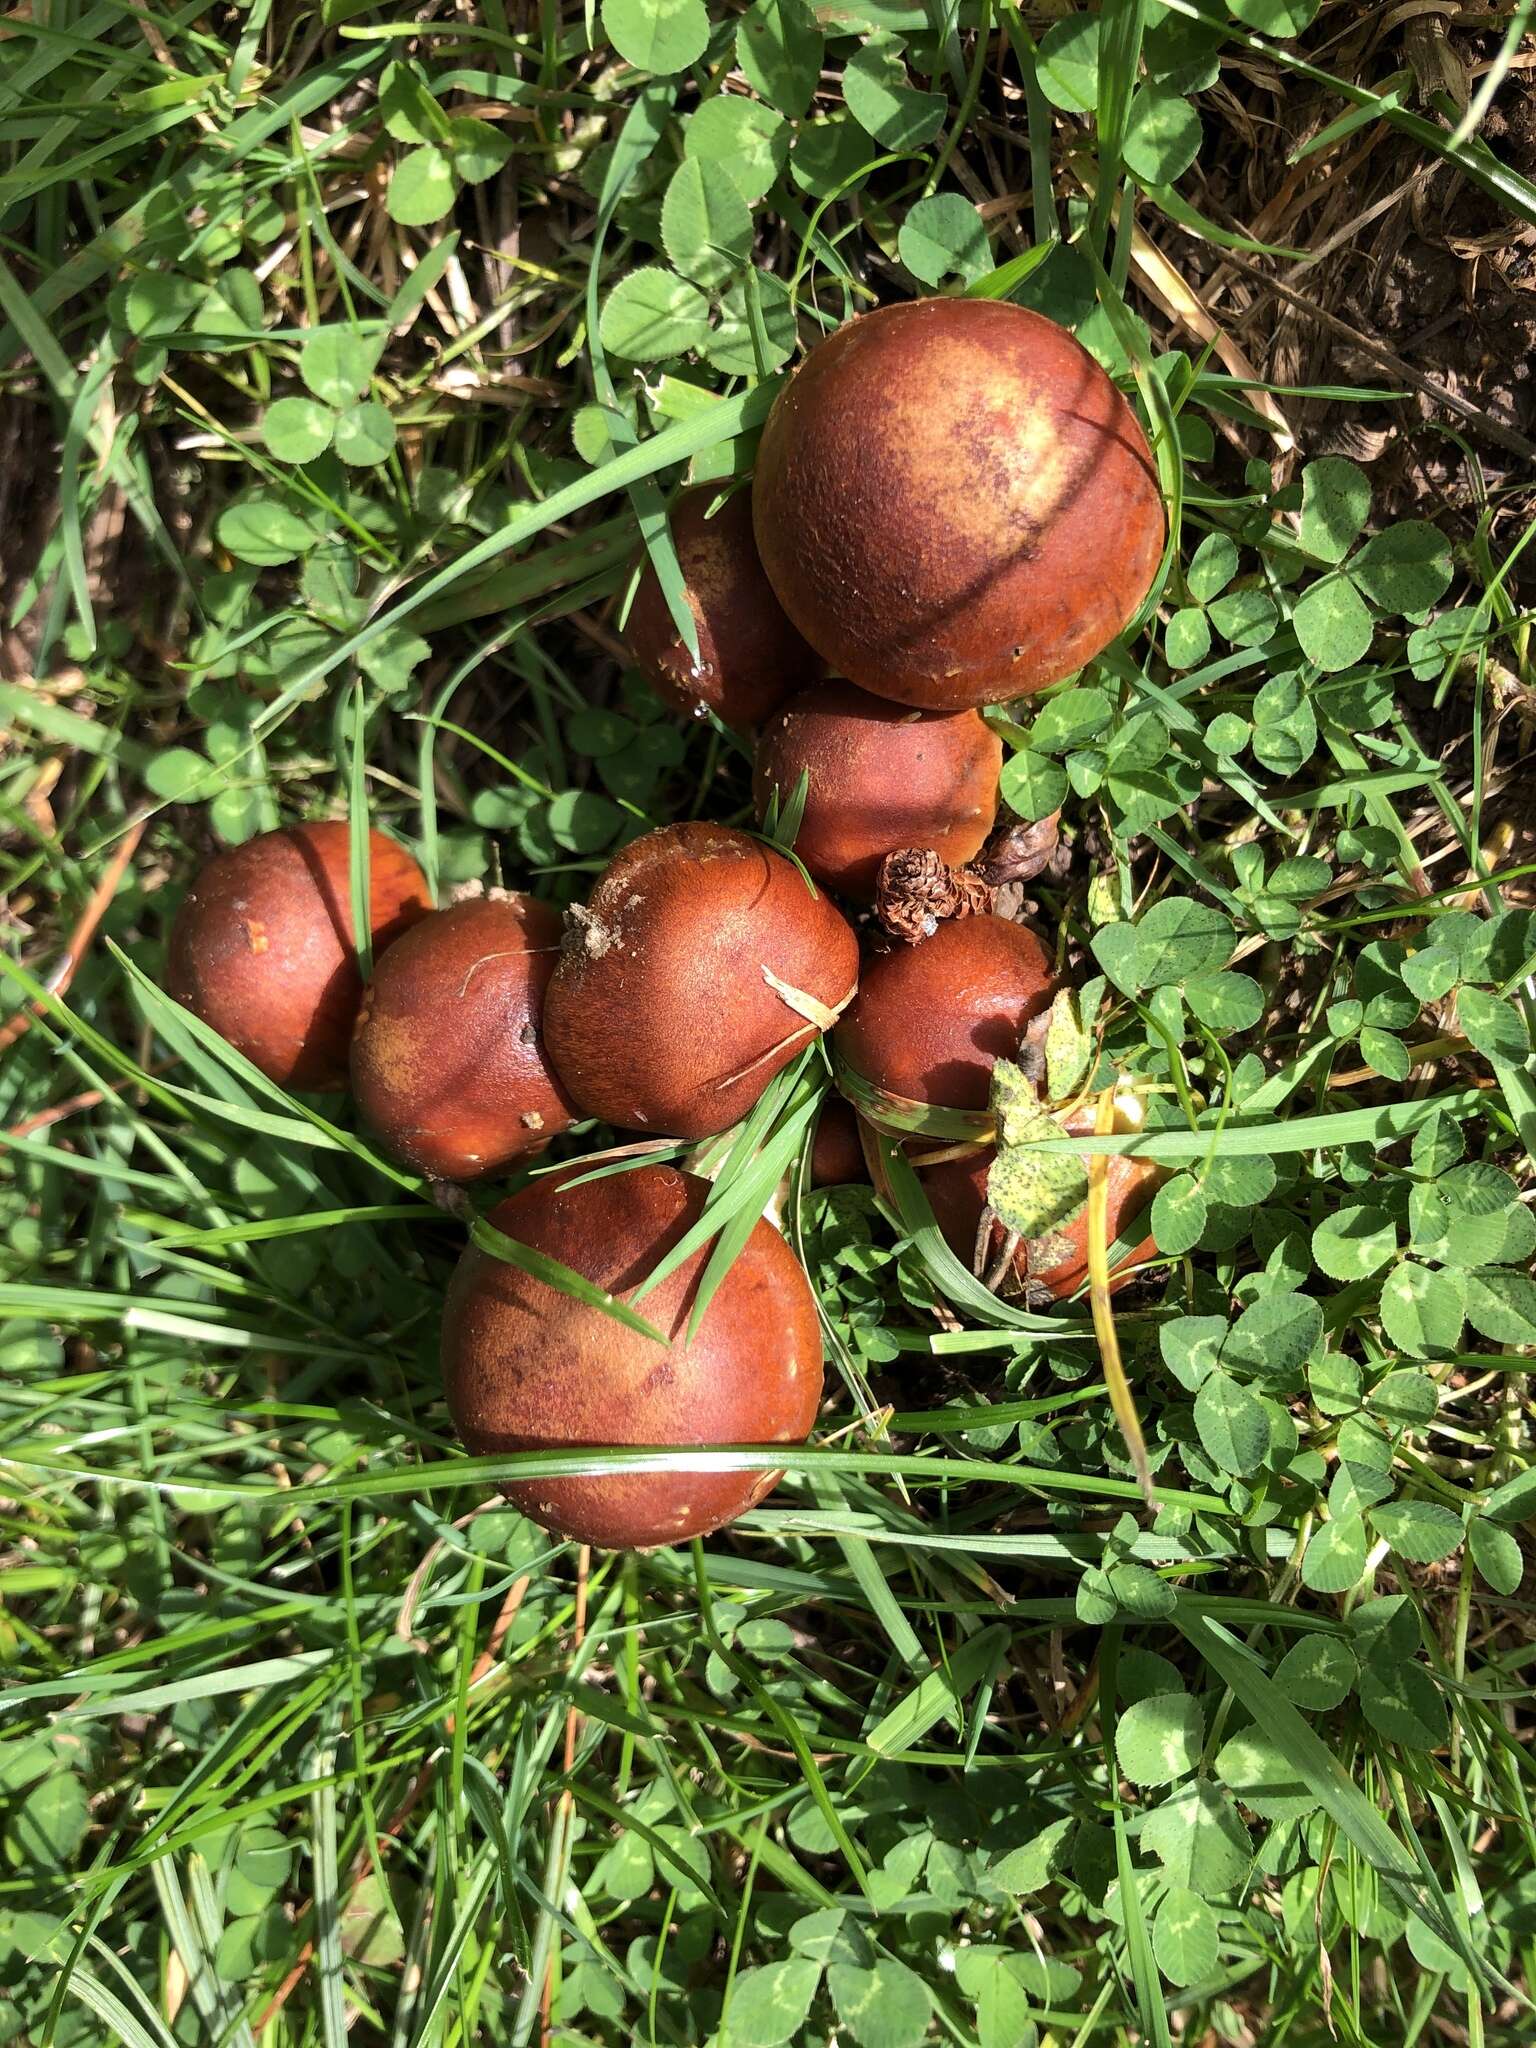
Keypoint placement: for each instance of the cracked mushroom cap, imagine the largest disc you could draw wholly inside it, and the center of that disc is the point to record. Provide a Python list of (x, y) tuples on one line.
[(262, 946), (526, 1367), (954, 504), (750, 656), (700, 967), (448, 1063)]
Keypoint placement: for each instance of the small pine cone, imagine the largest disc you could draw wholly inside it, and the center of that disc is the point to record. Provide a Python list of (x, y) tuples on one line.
[(916, 891)]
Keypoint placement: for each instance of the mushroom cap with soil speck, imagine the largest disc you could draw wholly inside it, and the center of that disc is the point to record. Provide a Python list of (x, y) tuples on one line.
[(527, 1368), (701, 966), (262, 947), (448, 1063), (954, 504)]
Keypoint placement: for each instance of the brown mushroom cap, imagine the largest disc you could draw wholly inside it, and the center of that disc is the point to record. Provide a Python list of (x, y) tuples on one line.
[(262, 946), (837, 1152), (954, 504), (929, 1020), (1058, 1261), (525, 1367), (881, 777), (700, 967), (750, 656), (447, 1063)]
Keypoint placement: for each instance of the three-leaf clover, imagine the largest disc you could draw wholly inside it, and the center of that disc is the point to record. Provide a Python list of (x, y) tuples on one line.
[(1402, 570), (337, 366), (450, 149)]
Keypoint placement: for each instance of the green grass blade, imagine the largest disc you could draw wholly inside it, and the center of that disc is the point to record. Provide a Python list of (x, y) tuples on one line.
[(1319, 1769), (539, 1266)]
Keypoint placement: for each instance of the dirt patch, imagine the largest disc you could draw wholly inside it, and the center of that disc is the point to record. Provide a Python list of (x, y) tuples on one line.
[(1414, 281), (28, 509)]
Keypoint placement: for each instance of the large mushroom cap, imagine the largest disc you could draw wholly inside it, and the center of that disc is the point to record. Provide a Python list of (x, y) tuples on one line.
[(526, 1367), (880, 777), (929, 1020), (750, 656), (954, 504), (1056, 1263)]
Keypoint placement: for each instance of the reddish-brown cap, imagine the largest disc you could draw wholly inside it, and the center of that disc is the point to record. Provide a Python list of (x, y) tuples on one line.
[(930, 1019), (448, 1063), (954, 504), (880, 777), (262, 946), (526, 1368), (750, 656), (837, 1151), (700, 967)]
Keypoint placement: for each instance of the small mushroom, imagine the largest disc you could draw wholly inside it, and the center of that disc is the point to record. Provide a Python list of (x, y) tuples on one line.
[(262, 948)]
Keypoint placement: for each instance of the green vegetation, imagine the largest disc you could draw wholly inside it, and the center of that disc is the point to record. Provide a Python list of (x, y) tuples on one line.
[(343, 356)]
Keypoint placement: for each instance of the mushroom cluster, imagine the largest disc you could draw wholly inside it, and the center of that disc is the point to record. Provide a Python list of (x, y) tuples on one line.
[(953, 506)]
